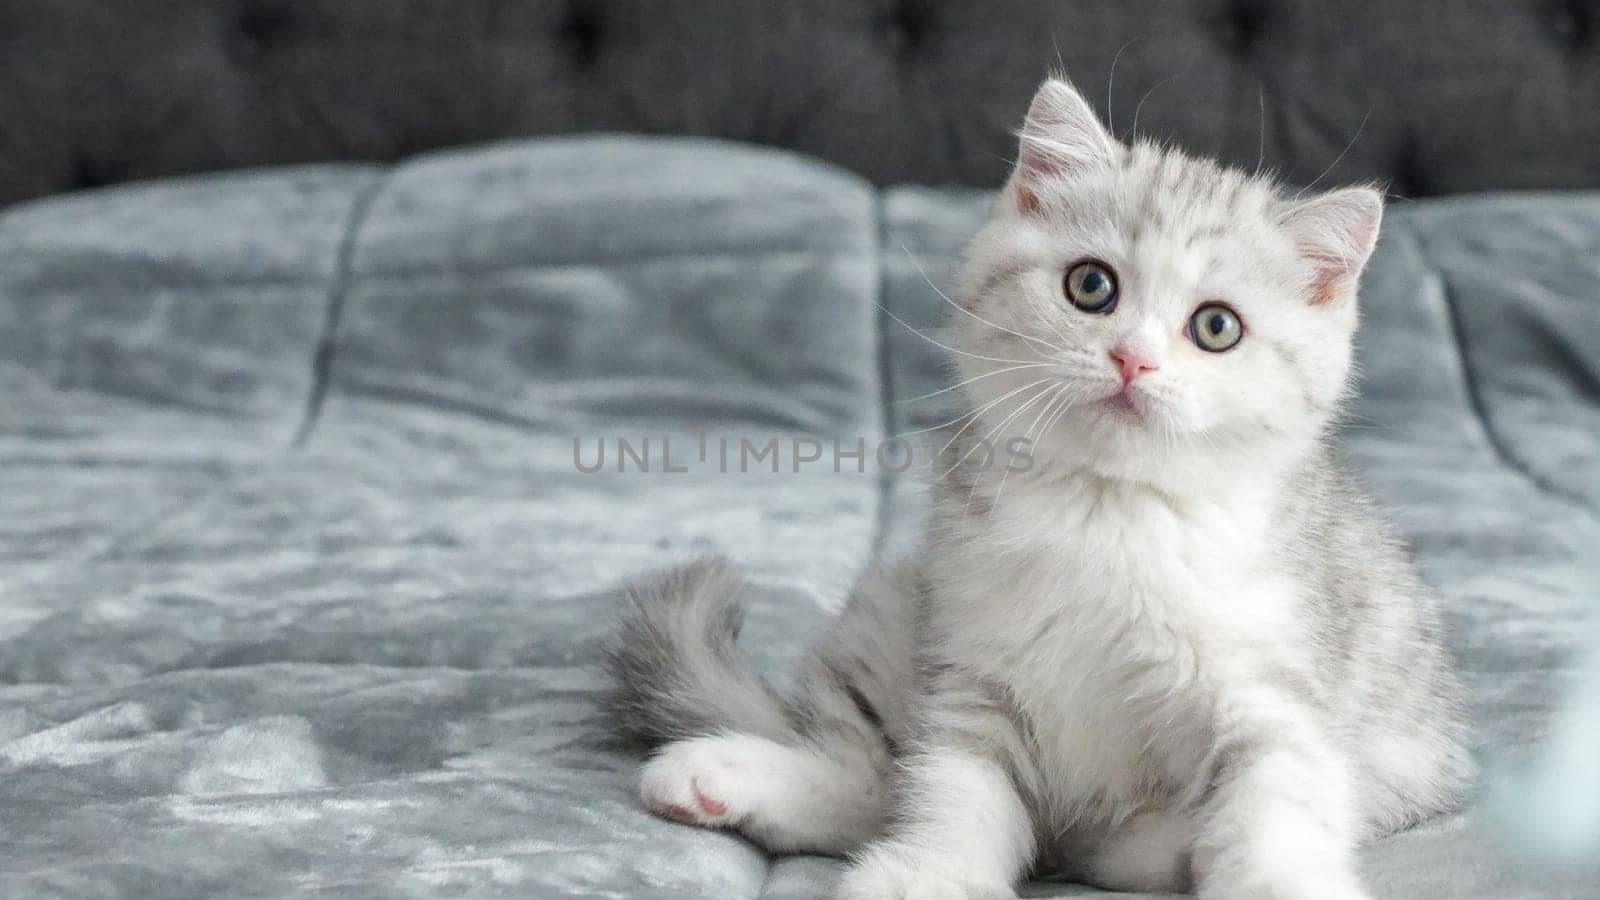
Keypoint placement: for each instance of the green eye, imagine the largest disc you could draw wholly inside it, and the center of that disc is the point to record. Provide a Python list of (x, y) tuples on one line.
[(1092, 287), (1215, 327)]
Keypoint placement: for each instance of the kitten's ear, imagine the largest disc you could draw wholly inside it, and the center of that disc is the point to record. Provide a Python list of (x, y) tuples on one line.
[(1336, 231), (1060, 136)]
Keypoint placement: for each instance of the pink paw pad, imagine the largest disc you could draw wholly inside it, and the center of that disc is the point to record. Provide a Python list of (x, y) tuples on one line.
[(678, 813), (709, 804)]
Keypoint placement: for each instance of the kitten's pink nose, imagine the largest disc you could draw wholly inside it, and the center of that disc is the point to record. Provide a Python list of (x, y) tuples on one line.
[(1131, 361)]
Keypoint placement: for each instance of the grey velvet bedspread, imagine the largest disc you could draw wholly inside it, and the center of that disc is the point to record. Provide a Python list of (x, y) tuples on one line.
[(302, 584)]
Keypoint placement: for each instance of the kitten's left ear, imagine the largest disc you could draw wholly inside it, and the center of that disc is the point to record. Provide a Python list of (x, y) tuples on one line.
[(1336, 232)]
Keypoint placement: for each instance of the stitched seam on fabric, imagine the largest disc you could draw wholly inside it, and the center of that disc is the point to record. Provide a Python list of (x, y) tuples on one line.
[(884, 362), (321, 363), (338, 288), (1475, 400)]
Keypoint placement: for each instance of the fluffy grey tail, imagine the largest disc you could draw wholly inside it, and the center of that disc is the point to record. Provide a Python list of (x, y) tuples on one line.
[(676, 665)]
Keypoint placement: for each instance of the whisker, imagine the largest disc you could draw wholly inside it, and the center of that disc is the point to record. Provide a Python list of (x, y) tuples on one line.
[(1058, 415), (1060, 394), (1055, 329), (1261, 101), (946, 298), (961, 384), (1060, 391), (1134, 132), (1336, 159), (972, 415), (945, 346), (995, 431), (1111, 80), (967, 414), (985, 408), (1062, 410), (985, 437)]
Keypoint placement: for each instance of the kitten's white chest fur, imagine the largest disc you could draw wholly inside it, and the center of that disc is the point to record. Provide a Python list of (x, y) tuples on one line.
[(1107, 611)]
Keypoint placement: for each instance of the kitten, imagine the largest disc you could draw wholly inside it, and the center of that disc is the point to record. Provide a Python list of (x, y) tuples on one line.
[(1180, 652)]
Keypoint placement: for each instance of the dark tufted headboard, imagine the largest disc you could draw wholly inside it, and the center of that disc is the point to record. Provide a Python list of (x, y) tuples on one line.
[(1455, 95)]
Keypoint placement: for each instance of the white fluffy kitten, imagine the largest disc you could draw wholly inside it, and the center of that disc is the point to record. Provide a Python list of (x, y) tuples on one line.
[(1179, 653)]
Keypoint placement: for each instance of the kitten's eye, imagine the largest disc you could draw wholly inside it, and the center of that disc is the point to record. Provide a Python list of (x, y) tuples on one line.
[(1092, 287), (1215, 327)]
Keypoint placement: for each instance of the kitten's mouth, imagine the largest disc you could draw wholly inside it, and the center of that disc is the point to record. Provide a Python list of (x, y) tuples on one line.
[(1123, 406)]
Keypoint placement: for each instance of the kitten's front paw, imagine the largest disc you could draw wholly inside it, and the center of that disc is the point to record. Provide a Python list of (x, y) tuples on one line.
[(888, 872), (697, 782)]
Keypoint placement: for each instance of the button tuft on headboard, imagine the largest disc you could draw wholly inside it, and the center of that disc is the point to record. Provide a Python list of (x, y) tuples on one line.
[(1240, 25), (257, 27), (580, 32), (1570, 20), (904, 27)]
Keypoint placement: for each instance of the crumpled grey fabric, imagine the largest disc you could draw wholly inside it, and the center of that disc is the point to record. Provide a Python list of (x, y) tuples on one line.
[(302, 589)]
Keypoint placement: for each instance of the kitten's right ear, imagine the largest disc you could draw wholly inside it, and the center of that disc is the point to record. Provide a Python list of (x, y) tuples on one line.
[(1060, 137), (1336, 232)]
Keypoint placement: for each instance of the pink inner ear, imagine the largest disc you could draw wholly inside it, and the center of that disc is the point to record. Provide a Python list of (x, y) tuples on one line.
[(1036, 163), (1336, 232), (1033, 166), (1331, 280), (1027, 200), (1059, 136)]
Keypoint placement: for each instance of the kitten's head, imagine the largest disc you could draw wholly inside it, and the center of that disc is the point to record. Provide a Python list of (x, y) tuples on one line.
[(1151, 314)]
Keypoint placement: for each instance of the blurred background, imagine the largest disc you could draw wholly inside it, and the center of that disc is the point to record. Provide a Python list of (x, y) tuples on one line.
[(1447, 95)]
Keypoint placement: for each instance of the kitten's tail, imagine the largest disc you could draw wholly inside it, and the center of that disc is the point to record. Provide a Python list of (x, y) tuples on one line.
[(675, 664)]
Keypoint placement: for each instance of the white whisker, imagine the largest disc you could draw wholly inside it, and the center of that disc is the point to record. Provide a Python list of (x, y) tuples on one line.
[(994, 432), (1336, 160), (1059, 393), (983, 409), (951, 349), (1261, 101), (946, 298), (1111, 81), (962, 384), (985, 437), (1133, 133)]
